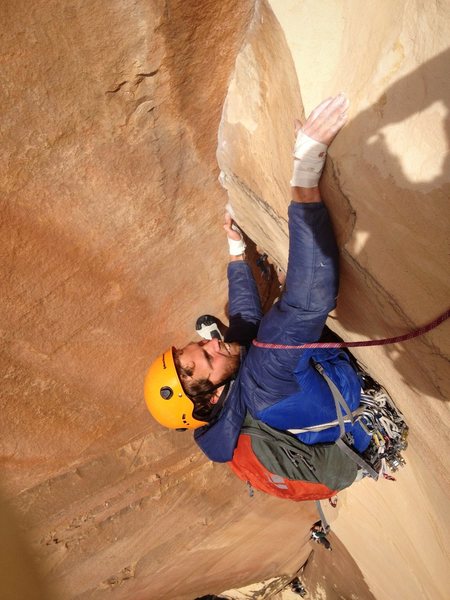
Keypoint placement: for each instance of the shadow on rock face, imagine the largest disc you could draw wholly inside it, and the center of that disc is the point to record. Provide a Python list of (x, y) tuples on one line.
[(399, 261), (387, 196)]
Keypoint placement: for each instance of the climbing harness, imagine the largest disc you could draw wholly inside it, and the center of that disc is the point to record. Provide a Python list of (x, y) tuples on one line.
[(382, 342)]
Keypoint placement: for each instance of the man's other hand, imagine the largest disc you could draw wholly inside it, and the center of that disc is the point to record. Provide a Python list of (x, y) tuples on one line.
[(228, 224), (235, 239), (326, 119)]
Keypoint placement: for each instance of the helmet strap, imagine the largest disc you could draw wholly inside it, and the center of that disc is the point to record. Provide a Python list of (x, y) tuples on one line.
[(217, 407)]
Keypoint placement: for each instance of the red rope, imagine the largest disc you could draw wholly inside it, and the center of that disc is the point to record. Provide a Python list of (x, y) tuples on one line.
[(383, 342)]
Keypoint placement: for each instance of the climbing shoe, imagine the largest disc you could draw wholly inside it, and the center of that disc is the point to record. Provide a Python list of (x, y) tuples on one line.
[(297, 587), (318, 534), (208, 328)]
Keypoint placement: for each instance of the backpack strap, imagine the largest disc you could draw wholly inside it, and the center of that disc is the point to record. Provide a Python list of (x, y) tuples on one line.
[(320, 529), (356, 413), (339, 400), (343, 412), (323, 520), (357, 458)]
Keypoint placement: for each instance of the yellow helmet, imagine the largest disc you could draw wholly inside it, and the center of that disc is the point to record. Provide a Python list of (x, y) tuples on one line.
[(165, 397)]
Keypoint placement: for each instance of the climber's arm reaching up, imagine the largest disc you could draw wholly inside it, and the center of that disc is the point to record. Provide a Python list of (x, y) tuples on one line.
[(312, 276), (312, 141), (244, 305)]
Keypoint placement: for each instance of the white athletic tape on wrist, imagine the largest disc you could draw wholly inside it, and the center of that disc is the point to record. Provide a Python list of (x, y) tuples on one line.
[(236, 247), (310, 158)]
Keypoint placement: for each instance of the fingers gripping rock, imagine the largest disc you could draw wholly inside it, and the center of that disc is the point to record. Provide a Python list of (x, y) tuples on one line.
[(235, 238), (313, 138)]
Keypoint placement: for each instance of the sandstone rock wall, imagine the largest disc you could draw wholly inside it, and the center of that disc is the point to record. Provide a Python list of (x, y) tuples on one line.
[(387, 184), (111, 247), (110, 154)]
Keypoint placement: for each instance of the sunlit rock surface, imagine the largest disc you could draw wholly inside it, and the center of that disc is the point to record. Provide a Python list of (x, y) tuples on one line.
[(387, 184), (112, 245)]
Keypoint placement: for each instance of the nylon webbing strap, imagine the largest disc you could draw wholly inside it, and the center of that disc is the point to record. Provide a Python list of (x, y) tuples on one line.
[(325, 525), (338, 398), (356, 458), (356, 413)]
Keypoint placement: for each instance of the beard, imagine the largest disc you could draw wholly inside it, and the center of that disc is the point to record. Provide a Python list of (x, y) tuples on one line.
[(231, 367)]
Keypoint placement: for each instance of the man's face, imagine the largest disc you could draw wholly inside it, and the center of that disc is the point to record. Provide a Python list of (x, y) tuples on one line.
[(211, 359)]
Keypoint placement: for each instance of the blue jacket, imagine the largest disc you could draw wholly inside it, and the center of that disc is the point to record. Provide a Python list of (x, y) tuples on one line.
[(282, 387)]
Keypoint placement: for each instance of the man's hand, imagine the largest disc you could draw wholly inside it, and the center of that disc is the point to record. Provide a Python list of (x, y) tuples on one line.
[(235, 240), (310, 150), (228, 226), (326, 119)]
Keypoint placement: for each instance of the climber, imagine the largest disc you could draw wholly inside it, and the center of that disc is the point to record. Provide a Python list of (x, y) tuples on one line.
[(211, 385)]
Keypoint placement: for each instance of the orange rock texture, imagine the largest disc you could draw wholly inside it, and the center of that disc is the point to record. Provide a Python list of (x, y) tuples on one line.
[(111, 245)]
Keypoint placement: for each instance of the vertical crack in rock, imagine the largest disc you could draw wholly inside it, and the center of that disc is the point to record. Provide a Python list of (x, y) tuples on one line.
[(279, 222), (332, 168), (383, 296), (254, 116)]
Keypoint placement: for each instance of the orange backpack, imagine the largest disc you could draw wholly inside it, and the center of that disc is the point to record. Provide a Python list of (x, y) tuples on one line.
[(277, 463)]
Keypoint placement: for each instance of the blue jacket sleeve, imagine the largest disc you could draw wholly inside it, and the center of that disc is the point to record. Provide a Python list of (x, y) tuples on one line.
[(311, 285), (313, 267), (244, 305), (311, 280)]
